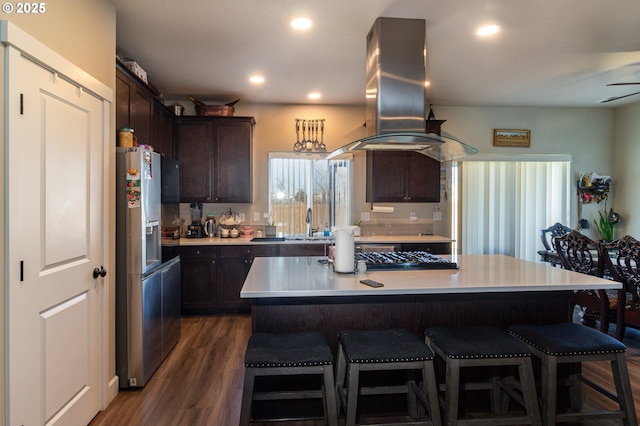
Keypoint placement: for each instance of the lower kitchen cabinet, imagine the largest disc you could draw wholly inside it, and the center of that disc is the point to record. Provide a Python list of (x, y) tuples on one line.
[(233, 267), (198, 280), (212, 277)]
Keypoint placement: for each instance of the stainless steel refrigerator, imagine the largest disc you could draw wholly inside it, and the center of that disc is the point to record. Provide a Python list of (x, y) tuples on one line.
[(147, 290)]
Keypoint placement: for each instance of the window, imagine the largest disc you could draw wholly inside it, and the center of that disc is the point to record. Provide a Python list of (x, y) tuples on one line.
[(298, 183), (505, 204)]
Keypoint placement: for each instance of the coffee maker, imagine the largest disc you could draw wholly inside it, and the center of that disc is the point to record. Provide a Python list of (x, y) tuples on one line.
[(196, 228)]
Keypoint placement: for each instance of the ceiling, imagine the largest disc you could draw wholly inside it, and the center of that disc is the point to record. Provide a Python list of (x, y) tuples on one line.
[(548, 53)]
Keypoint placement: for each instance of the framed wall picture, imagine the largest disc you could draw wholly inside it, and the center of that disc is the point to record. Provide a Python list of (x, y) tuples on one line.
[(512, 137)]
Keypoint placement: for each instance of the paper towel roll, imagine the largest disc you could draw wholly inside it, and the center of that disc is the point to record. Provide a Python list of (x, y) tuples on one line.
[(345, 250), (382, 209)]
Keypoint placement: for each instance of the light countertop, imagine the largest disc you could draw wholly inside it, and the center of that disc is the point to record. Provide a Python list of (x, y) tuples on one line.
[(273, 277), (368, 239)]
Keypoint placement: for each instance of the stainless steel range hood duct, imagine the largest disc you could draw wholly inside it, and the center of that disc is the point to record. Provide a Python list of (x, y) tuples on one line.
[(395, 94)]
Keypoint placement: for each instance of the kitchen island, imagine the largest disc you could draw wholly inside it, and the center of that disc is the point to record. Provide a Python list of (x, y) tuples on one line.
[(291, 294), (214, 269)]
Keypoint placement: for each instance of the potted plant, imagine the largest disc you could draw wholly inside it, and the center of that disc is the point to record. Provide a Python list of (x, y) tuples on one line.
[(605, 224), (270, 229), (358, 230)]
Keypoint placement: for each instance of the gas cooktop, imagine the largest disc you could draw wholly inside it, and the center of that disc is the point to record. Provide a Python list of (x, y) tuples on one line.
[(390, 260)]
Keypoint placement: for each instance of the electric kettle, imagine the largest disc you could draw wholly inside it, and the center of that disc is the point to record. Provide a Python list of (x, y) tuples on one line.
[(210, 226)]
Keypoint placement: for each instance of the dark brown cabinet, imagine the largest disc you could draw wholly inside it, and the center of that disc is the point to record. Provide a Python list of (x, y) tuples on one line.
[(195, 154), (234, 265), (198, 280), (138, 108), (212, 277), (163, 130), (215, 155), (399, 176)]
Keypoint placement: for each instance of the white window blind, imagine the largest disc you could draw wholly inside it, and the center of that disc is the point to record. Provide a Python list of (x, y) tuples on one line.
[(505, 204), (298, 183)]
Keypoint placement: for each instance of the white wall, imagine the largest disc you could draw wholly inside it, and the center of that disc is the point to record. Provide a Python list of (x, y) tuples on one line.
[(626, 173)]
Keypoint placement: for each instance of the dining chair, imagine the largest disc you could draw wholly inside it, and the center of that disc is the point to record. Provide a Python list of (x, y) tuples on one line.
[(621, 263), (579, 253), (548, 237)]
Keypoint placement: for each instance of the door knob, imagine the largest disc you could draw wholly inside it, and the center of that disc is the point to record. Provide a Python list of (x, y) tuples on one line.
[(99, 272)]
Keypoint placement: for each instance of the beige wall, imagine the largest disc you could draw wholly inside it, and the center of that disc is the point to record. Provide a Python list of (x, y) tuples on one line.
[(84, 32), (626, 170), (585, 134)]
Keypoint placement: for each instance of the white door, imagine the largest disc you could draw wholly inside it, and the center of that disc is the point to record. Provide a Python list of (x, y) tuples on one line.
[(55, 240)]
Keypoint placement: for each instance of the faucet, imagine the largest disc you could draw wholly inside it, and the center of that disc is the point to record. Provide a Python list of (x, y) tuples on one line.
[(309, 219)]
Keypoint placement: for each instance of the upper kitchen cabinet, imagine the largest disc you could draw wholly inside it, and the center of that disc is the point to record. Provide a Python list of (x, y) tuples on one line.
[(138, 108), (404, 177), (163, 130), (215, 155)]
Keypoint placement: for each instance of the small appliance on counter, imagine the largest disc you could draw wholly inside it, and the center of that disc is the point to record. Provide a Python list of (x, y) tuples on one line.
[(196, 228), (210, 227)]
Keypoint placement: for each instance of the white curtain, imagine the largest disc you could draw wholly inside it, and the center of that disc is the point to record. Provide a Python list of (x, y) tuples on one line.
[(505, 204)]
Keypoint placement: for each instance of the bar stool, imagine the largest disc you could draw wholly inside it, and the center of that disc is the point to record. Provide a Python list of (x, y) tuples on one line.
[(384, 350), (284, 355), (485, 347), (574, 343)]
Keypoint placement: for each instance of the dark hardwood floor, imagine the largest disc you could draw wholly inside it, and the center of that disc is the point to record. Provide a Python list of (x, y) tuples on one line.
[(200, 382)]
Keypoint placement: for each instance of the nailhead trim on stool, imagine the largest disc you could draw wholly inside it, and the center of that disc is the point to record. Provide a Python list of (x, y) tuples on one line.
[(576, 343), (485, 347), (271, 354), (379, 350)]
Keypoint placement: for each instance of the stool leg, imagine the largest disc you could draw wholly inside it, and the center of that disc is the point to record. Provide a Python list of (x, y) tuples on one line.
[(247, 396), (331, 412), (452, 389), (412, 402), (341, 370), (549, 382), (429, 381), (353, 377), (528, 385), (623, 388)]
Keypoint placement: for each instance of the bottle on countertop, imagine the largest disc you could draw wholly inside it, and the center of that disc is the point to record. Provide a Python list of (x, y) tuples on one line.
[(327, 232), (431, 115)]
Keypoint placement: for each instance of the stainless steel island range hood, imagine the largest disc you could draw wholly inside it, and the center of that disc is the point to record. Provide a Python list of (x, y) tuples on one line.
[(395, 94)]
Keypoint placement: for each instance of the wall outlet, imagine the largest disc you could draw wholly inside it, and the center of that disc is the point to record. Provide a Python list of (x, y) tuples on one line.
[(256, 216), (437, 215), (241, 215), (265, 215), (413, 216), (365, 216)]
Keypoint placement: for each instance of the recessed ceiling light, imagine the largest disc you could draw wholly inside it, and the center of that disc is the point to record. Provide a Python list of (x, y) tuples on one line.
[(314, 95), (301, 23), (488, 30), (256, 79)]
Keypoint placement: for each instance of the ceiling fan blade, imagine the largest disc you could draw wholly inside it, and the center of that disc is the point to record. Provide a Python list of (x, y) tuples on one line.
[(622, 84), (615, 98)]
